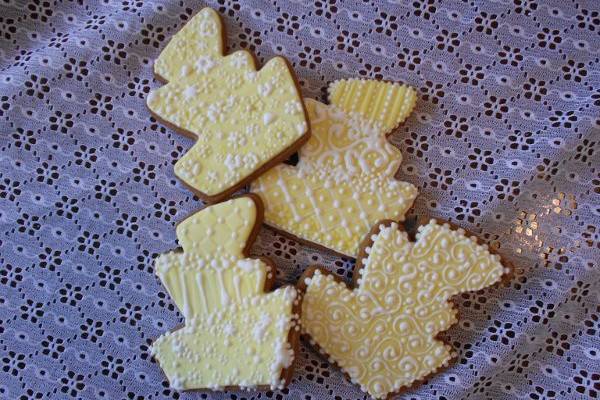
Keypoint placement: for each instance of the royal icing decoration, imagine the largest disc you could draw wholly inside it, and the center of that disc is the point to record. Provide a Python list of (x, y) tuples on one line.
[(382, 333), (243, 120), (344, 182), (235, 334)]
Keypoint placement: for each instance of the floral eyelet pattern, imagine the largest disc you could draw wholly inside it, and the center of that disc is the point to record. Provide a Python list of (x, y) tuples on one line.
[(503, 142)]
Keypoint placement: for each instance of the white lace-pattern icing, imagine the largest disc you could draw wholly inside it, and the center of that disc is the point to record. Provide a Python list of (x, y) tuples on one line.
[(382, 334), (344, 181)]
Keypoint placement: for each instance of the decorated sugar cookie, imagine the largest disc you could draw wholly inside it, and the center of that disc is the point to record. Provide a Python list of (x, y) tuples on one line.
[(344, 182), (235, 334), (383, 332), (244, 120)]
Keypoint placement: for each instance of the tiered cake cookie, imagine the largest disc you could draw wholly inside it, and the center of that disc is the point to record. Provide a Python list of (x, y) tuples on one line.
[(235, 334), (238, 334), (244, 121), (344, 182), (383, 332)]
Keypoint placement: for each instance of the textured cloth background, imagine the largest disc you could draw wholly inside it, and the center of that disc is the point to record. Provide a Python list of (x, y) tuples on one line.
[(504, 142)]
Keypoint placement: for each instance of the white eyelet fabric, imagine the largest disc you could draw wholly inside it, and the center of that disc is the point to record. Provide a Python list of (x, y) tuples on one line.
[(504, 142)]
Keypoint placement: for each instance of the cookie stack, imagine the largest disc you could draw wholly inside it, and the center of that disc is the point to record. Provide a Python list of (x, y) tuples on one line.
[(342, 195)]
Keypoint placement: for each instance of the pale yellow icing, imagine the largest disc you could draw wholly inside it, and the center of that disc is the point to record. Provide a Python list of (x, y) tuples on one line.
[(241, 118), (244, 344), (344, 182), (234, 333), (382, 333)]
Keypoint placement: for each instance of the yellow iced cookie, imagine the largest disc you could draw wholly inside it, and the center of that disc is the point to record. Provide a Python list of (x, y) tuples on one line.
[(344, 182), (382, 333), (235, 334), (244, 121)]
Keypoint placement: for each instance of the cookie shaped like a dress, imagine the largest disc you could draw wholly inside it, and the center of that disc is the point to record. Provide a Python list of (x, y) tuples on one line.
[(243, 120), (344, 182), (235, 334), (383, 332)]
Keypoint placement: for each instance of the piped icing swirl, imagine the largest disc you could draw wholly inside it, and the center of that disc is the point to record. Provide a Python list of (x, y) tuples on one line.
[(344, 181), (383, 332)]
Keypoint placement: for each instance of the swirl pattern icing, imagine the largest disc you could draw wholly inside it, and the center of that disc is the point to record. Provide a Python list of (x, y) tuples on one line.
[(344, 182), (382, 333), (234, 333), (242, 119)]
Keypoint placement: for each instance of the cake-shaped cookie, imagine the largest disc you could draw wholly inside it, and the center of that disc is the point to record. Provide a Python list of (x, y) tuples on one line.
[(235, 333), (244, 121), (344, 182), (383, 332)]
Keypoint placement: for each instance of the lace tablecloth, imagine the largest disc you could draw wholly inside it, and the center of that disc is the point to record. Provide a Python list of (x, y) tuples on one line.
[(504, 142)]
